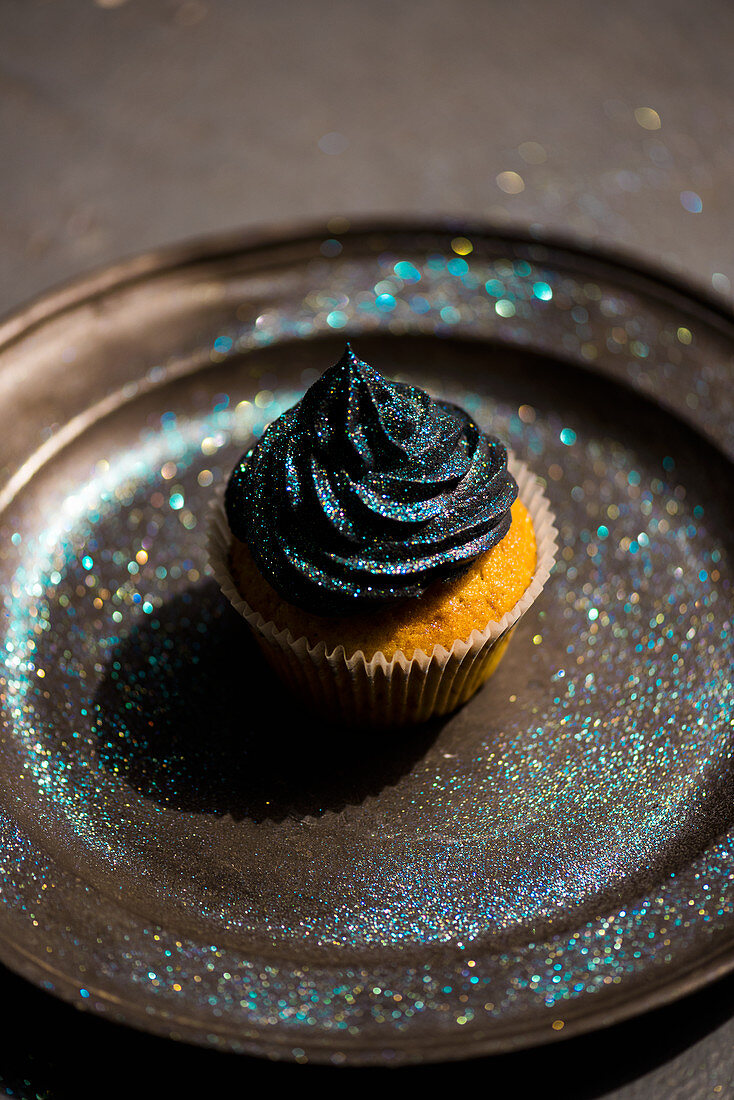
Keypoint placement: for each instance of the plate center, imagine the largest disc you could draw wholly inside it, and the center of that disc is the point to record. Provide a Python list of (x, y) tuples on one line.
[(157, 758)]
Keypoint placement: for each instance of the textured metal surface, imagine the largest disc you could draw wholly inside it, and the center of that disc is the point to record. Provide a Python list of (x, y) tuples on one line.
[(183, 852)]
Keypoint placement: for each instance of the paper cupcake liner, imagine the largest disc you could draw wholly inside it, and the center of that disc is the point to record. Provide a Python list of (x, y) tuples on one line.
[(379, 692)]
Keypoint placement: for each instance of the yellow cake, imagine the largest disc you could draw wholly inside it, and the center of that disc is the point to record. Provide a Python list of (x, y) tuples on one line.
[(490, 587)]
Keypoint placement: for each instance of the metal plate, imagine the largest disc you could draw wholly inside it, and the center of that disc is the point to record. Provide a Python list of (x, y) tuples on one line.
[(183, 850)]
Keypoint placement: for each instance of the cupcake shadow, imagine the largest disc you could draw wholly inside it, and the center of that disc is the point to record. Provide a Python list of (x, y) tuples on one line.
[(188, 713)]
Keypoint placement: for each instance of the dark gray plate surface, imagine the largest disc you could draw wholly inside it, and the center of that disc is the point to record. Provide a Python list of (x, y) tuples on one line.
[(182, 849)]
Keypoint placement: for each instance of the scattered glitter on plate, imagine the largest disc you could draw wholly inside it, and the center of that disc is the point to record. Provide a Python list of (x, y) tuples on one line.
[(185, 851)]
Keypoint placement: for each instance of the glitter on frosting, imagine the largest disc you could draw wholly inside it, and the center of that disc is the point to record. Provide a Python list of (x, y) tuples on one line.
[(368, 491)]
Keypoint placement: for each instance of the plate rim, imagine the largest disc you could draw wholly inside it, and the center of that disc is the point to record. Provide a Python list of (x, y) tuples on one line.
[(367, 1051), (87, 286), (72, 294)]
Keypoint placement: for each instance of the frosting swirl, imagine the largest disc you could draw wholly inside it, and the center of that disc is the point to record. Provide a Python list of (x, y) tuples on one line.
[(366, 492)]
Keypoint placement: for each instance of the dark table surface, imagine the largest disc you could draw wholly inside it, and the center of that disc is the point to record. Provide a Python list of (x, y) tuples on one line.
[(126, 124)]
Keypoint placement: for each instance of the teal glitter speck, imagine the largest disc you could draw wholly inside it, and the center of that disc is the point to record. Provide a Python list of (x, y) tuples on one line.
[(691, 202), (407, 271)]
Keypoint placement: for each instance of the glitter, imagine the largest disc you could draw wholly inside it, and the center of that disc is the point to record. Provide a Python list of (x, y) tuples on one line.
[(511, 183), (436, 262), (206, 477), (223, 344), (504, 307), (407, 271), (330, 248), (462, 246), (537, 639), (647, 118), (385, 302), (419, 304), (557, 1025), (542, 291), (684, 335), (691, 201), (457, 266), (628, 181), (168, 470), (16, 538), (87, 562), (532, 152), (176, 501), (567, 436), (336, 319), (264, 399), (333, 143)]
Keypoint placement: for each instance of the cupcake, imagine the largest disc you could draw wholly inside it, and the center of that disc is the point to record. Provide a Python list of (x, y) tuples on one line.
[(380, 547)]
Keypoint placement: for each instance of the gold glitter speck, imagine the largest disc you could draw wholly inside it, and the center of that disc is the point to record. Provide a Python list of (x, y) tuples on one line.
[(511, 183), (462, 246), (532, 152), (647, 118)]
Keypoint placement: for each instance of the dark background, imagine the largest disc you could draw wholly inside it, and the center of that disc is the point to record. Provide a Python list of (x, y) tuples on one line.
[(126, 124)]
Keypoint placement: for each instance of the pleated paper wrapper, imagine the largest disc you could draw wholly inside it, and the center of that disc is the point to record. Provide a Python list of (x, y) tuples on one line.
[(377, 692)]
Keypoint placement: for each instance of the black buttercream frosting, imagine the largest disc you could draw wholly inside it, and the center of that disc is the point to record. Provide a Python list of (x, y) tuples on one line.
[(366, 492)]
